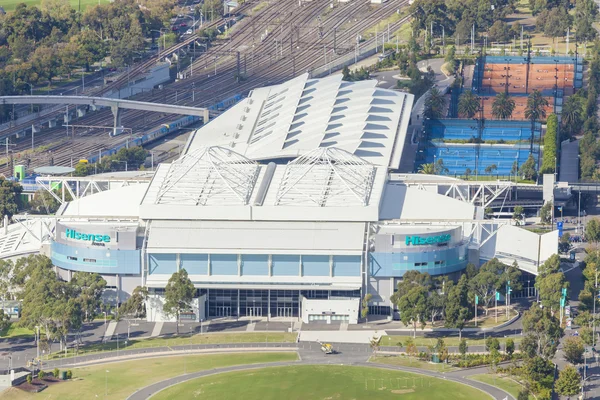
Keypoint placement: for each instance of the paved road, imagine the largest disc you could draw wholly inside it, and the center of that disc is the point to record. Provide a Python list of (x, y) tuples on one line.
[(315, 357)]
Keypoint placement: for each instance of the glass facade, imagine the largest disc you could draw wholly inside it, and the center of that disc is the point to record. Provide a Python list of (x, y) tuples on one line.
[(102, 261)]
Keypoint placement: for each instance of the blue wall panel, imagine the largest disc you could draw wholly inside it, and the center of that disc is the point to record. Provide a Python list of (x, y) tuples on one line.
[(284, 265), (102, 261), (437, 262), (162, 263), (315, 265), (255, 264), (224, 264), (346, 265), (194, 264)]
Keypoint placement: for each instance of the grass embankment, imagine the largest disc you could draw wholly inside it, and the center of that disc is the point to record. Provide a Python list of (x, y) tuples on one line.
[(412, 362), (448, 341), (211, 338), (320, 382), (9, 5), (119, 380), (14, 331), (505, 383)]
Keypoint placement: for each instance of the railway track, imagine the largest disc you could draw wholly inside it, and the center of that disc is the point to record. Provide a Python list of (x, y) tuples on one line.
[(287, 22)]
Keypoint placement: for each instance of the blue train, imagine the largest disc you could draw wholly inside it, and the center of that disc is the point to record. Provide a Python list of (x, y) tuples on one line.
[(165, 129)]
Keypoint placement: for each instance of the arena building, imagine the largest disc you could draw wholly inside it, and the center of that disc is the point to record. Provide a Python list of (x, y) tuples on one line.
[(284, 207)]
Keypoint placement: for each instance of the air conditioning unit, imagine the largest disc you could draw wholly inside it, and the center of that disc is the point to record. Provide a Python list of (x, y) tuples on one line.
[(250, 101), (239, 126), (232, 144), (243, 118)]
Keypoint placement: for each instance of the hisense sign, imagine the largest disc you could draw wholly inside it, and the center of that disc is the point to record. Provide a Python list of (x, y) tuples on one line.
[(87, 237), (419, 241)]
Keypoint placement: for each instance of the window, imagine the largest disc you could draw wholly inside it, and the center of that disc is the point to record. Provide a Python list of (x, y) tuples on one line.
[(440, 263), (420, 264)]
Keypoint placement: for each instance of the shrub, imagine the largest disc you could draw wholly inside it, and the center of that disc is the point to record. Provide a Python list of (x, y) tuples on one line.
[(56, 372), (41, 374), (69, 374), (29, 378)]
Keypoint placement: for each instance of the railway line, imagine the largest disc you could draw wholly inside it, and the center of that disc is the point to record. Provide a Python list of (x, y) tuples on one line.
[(296, 38)]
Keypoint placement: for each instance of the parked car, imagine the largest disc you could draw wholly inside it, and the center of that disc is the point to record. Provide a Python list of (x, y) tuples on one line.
[(188, 32), (174, 28), (183, 24)]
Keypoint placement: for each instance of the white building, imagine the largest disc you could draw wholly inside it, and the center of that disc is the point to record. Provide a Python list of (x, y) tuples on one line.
[(283, 207)]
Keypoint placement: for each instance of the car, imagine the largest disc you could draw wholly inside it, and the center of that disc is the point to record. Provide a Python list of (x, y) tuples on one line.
[(174, 28), (188, 32), (183, 24)]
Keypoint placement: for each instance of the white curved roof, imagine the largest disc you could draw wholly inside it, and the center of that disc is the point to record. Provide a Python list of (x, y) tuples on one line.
[(207, 176), (302, 114)]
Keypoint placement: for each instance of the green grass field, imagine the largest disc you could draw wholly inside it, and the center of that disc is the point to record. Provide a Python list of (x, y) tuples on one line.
[(212, 338), (10, 5), (122, 379), (319, 382), (13, 331), (504, 383), (412, 362)]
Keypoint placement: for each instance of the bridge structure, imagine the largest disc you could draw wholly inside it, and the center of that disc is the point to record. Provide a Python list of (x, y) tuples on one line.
[(116, 105)]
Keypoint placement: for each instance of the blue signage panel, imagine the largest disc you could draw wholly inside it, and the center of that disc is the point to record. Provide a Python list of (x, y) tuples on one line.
[(418, 240), (559, 226)]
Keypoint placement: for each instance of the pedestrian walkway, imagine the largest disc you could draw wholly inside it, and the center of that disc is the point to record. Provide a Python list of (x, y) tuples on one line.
[(250, 327), (340, 336), (344, 326), (110, 330), (157, 329)]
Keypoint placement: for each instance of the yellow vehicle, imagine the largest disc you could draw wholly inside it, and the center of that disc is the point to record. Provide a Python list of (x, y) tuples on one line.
[(326, 348), (83, 161)]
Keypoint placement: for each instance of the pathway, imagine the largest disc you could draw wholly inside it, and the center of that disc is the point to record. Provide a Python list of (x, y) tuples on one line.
[(110, 330)]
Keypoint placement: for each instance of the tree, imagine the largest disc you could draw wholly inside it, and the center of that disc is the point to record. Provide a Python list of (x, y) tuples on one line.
[(499, 32), (413, 308), (179, 294), (4, 320), (41, 375), (442, 350), (527, 170), (586, 12), (509, 347), (435, 104), (88, 287), (503, 106), (573, 349), (43, 203), (428, 169), (468, 173), (411, 347), (463, 347), (518, 213), (9, 197), (29, 379), (457, 311), (544, 328), (535, 111), (568, 381), (491, 343), (468, 104), (550, 154), (56, 372), (440, 168), (364, 311), (491, 168), (571, 115), (135, 306), (546, 213), (592, 230), (523, 394)]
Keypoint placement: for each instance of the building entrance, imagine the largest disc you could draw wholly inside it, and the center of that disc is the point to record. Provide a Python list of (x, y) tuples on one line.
[(254, 311), (223, 311), (284, 312)]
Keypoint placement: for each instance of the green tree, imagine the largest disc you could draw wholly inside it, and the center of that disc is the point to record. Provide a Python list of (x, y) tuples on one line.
[(571, 115), (179, 294), (586, 12), (4, 320), (442, 350), (41, 375), (544, 328), (440, 168), (491, 168), (413, 308), (546, 213), (9, 197), (527, 170), (29, 379), (492, 343), (592, 230), (518, 214), (550, 154), (535, 111), (43, 203), (463, 347), (411, 347), (549, 289), (428, 169), (88, 288), (573, 349), (468, 104), (435, 104), (135, 306), (364, 310), (509, 347), (568, 381), (503, 106), (457, 311), (499, 32), (523, 394)]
